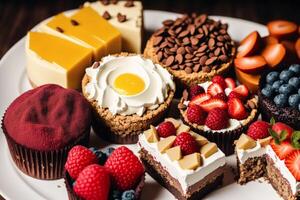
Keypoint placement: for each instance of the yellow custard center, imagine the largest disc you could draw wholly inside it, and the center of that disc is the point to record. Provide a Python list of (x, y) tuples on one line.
[(129, 84)]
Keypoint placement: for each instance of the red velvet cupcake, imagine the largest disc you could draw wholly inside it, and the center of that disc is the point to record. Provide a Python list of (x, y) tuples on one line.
[(42, 125)]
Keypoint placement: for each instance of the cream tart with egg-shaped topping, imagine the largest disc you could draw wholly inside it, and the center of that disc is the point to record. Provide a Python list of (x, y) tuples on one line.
[(128, 93)]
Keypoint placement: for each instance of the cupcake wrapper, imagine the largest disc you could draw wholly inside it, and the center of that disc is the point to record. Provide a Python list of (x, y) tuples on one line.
[(46, 165), (73, 196)]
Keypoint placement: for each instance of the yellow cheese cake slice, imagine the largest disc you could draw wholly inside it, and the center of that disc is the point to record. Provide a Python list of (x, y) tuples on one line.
[(52, 59)]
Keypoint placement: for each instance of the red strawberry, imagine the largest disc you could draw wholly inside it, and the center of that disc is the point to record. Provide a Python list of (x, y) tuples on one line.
[(187, 143), (78, 158), (210, 104), (197, 100), (125, 168), (195, 90), (258, 130), (242, 90), (220, 80), (166, 129), (195, 114), (214, 89), (217, 119), (230, 83), (233, 94), (279, 126), (236, 109), (221, 96), (283, 149), (93, 183), (292, 162)]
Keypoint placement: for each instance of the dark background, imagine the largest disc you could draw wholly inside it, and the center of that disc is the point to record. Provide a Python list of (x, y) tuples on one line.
[(17, 17)]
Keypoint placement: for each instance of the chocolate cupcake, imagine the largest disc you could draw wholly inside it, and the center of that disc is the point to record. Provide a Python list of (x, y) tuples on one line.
[(42, 125), (219, 110), (126, 100), (279, 95), (193, 48)]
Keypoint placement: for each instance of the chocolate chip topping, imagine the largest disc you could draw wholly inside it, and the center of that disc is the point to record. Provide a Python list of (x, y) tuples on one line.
[(121, 18), (106, 15), (193, 43), (129, 4)]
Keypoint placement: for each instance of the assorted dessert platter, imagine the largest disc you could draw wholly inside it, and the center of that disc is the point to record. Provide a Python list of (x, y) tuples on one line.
[(90, 73)]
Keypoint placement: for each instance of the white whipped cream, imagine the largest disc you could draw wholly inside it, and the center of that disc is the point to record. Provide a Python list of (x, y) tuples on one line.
[(157, 80), (258, 151), (233, 123), (186, 178)]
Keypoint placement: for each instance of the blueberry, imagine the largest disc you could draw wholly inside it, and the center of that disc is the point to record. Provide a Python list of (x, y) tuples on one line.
[(286, 89), (276, 85), (299, 91), (294, 81), (268, 91), (299, 107), (271, 77), (286, 75), (102, 157), (128, 195), (281, 100), (294, 100), (108, 151), (295, 68)]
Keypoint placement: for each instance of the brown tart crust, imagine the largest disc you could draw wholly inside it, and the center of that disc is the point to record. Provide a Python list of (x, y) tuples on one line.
[(194, 192), (225, 140), (124, 129)]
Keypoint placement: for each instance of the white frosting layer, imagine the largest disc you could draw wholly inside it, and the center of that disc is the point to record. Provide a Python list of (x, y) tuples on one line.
[(233, 123), (258, 151), (186, 178), (157, 80)]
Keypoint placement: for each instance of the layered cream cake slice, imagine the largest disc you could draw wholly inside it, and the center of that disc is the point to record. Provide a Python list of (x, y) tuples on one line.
[(51, 59), (127, 17), (185, 163), (87, 28), (276, 158)]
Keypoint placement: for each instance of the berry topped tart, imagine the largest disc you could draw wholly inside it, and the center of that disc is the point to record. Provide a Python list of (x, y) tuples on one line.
[(193, 48), (220, 110), (185, 163), (279, 95), (271, 150), (91, 174)]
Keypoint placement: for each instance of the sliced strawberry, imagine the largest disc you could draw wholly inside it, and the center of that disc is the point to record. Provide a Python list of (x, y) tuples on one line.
[(214, 89), (213, 103), (197, 100), (220, 80), (236, 109), (233, 94), (282, 28), (274, 54), (292, 162), (252, 64), (242, 90), (297, 47), (270, 40), (283, 149), (230, 83), (278, 127), (249, 45), (221, 96)]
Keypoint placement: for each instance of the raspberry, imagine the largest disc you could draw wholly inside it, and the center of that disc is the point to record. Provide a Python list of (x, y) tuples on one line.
[(78, 158), (195, 114), (195, 90), (220, 80), (217, 119), (187, 143), (166, 129), (93, 183), (258, 130), (125, 168)]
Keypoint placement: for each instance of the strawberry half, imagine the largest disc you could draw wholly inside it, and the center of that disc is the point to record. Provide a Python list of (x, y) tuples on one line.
[(213, 103), (230, 83), (278, 127), (283, 149), (220, 80), (236, 109), (292, 162), (197, 100), (242, 90), (214, 89)]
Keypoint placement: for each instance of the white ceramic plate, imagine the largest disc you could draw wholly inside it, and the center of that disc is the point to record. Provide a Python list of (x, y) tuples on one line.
[(13, 81)]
